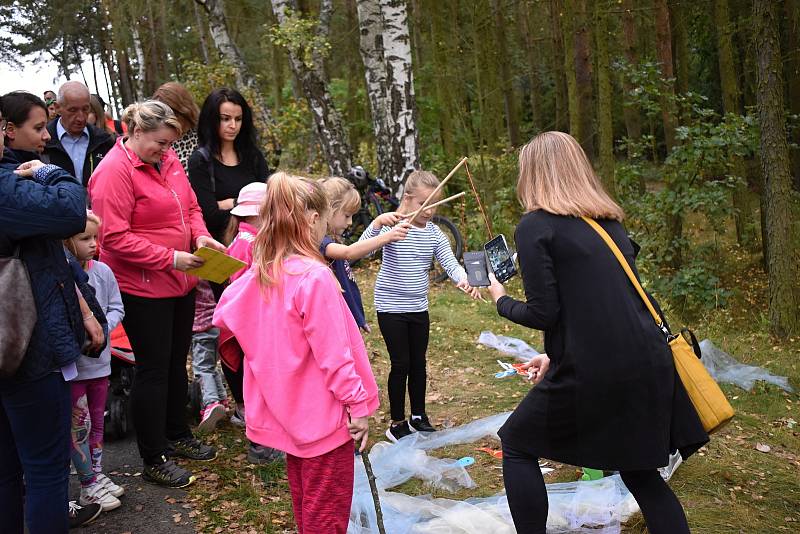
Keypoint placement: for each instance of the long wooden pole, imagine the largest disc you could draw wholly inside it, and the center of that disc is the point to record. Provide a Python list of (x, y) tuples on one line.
[(373, 487), (445, 201), (436, 191)]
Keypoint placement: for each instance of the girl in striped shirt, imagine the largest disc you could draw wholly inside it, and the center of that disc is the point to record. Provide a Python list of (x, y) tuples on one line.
[(401, 300)]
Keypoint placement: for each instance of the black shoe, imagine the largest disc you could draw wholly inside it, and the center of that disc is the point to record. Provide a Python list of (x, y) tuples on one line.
[(191, 448), (83, 515), (167, 474), (421, 425), (395, 432), (259, 454)]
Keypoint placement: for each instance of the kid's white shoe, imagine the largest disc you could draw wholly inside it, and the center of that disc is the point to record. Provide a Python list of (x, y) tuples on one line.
[(97, 493), (113, 489)]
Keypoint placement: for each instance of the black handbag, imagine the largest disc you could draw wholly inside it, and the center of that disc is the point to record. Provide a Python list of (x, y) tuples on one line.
[(17, 313)]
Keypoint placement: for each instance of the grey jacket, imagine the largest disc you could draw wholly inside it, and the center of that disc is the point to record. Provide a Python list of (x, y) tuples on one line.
[(107, 293)]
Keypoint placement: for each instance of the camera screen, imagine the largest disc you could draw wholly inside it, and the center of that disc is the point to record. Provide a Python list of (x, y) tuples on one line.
[(498, 254)]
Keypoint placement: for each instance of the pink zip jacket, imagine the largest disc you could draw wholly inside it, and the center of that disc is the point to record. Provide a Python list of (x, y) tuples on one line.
[(305, 364), (147, 215), (241, 247)]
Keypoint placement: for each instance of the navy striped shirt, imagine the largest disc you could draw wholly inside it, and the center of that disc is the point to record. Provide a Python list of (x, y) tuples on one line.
[(403, 280)]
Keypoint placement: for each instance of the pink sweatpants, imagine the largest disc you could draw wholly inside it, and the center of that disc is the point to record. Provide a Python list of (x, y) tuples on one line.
[(96, 391), (322, 490)]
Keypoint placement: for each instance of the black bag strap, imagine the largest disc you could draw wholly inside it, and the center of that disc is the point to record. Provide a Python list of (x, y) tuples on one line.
[(206, 154)]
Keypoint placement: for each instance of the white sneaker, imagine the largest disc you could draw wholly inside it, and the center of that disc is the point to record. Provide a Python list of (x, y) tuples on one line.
[(97, 493), (238, 416), (675, 460), (113, 489)]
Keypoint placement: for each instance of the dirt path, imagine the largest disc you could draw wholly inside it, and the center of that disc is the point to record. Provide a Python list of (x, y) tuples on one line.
[(146, 509)]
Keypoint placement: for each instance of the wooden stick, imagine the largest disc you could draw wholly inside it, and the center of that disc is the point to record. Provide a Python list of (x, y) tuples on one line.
[(373, 487), (436, 191), (448, 199)]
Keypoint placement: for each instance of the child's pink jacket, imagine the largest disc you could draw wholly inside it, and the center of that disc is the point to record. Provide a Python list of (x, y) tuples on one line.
[(241, 247), (305, 364)]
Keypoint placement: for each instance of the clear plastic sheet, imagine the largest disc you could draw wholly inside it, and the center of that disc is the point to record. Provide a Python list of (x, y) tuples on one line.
[(724, 368), (596, 507), (508, 345)]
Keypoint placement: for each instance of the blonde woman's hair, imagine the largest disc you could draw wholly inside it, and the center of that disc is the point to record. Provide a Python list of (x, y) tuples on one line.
[(285, 228), (342, 194), (556, 176), (151, 115)]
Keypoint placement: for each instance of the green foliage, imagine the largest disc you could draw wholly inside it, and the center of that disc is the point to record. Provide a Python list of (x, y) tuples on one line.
[(299, 36)]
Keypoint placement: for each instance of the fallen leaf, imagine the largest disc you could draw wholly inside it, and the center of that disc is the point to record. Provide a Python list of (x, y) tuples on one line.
[(761, 447)]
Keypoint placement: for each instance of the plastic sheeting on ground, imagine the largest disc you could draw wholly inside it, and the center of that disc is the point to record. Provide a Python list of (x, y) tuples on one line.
[(724, 368), (596, 507), (508, 345)]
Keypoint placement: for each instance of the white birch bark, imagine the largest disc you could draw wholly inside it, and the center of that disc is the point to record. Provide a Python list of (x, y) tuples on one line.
[(386, 53), (218, 27), (140, 75), (331, 134)]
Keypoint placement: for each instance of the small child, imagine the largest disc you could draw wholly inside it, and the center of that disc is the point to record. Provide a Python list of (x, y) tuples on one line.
[(90, 388), (401, 300), (308, 384), (345, 202), (204, 360)]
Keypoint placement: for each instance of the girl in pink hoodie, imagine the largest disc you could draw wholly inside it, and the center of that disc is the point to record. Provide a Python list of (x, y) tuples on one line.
[(308, 385)]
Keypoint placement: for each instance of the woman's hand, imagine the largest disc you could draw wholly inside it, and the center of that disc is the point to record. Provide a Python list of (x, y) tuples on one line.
[(205, 241), (537, 367), (390, 218), (28, 168), (399, 232), (226, 205), (96, 336), (186, 260), (473, 292), (359, 431), (496, 289)]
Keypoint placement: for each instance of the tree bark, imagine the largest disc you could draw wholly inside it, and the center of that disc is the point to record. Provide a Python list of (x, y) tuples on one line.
[(631, 112), (140, 60), (583, 77), (792, 63), (201, 34), (573, 106), (678, 18), (561, 119), (506, 79), (228, 49), (781, 254), (330, 131), (605, 125), (526, 27), (386, 53), (731, 103)]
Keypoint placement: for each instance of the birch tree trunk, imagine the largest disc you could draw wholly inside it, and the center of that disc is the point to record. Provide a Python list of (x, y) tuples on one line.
[(781, 253), (386, 53), (331, 134), (137, 46), (218, 27)]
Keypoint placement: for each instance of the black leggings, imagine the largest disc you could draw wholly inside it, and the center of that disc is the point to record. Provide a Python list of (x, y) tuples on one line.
[(527, 497), (235, 380), (406, 337), (160, 332)]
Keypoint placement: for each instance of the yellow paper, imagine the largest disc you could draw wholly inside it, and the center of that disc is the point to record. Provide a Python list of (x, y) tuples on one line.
[(218, 266)]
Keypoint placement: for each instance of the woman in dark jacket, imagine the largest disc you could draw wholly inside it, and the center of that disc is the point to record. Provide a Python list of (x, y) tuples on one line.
[(39, 206), (607, 394)]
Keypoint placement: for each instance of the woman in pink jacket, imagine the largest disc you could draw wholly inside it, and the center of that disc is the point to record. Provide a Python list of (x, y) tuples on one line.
[(308, 385), (151, 225)]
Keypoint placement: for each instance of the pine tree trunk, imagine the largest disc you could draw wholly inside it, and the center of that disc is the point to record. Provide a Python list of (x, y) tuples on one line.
[(731, 103), (228, 49), (679, 20), (438, 30), (792, 63), (573, 106), (558, 67), (583, 78), (386, 53), (630, 110), (528, 34), (331, 133), (781, 254), (605, 123), (506, 79)]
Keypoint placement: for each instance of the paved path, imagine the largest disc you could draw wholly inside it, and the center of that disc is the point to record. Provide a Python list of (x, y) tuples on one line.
[(146, 509)]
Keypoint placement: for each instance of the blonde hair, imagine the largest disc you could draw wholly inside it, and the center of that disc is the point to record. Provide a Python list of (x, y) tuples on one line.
[(285, 229), (342, 194), (149, 116), (420, 180), (91, 217), (555, 176)]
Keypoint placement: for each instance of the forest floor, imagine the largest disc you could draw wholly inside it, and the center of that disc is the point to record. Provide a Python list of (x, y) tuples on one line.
[(729, 486)]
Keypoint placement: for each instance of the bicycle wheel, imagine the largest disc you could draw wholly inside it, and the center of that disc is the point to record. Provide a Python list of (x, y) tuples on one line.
[(450, 230)]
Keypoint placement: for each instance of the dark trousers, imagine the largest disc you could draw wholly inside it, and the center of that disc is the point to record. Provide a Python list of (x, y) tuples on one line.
[(235, 380), (35, 442), (160, 332), (527, 496), (406, 337)]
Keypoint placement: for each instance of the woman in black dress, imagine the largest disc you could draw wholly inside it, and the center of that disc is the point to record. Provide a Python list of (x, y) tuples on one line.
[(607, 393)]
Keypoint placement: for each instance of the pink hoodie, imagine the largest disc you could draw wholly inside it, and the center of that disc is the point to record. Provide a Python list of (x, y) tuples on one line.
[(241, 247), (147, 215), (305, 364)]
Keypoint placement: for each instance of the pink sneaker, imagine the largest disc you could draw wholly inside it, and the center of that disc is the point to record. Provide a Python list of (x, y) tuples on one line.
[(212, 414)]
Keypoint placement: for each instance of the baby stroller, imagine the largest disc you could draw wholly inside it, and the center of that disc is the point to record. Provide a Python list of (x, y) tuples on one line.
[(123, 370)]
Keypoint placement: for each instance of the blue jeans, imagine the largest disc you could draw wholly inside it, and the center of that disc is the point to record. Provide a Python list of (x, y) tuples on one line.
[(204, 366), (35, 440)]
